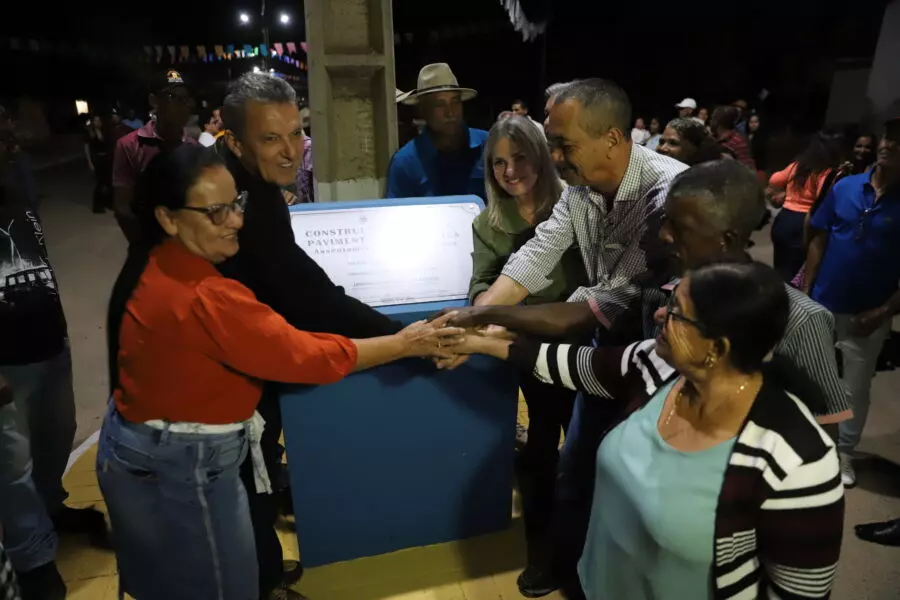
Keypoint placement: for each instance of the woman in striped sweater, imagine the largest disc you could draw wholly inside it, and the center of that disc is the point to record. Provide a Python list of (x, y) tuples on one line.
[(717, 482)]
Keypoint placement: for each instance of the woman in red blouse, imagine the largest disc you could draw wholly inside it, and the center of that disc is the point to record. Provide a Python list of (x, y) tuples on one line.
[(188, 352)]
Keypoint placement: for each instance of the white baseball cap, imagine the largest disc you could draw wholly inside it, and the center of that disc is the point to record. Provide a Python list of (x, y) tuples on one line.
[(687, 103)]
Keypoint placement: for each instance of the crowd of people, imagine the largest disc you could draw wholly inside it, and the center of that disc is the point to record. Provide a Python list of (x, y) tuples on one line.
[(645, 225), (708, 434)]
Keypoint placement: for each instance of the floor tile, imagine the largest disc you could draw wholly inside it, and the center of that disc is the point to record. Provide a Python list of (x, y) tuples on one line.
[(97, 588)]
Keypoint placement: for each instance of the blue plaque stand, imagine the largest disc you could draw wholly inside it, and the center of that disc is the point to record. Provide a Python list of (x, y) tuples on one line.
[(402, 455)]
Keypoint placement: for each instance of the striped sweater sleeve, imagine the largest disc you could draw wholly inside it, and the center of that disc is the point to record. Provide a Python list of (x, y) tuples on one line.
[(627, 373), (802, 521)]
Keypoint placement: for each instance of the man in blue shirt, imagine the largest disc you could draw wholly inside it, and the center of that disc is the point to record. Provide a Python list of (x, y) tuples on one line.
[(853, 269), (446, 159)]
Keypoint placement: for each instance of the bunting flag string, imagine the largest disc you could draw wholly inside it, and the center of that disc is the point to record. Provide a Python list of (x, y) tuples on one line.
[(291, 53)]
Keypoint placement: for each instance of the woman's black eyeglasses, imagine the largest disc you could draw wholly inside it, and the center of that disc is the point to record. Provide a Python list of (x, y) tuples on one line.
[(672, 307), (219, 213)]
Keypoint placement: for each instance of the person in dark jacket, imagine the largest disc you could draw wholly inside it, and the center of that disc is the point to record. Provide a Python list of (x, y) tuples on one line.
[(265, 142), (37, 399)]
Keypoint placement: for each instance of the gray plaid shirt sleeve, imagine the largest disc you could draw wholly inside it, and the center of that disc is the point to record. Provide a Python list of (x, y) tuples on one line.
[(533, 263), (809, 344)]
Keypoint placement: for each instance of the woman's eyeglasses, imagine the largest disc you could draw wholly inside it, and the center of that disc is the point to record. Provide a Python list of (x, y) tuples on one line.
[(219, 213), (673, 312)]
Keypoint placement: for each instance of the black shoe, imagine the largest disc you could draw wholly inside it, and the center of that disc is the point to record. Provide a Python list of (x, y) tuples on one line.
[(534, 582), (293, 572), (84, 521), (42, 583), (886, 534)]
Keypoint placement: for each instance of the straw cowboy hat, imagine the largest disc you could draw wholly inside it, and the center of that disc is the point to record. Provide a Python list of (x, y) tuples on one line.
[(400, 96), (437, 78)]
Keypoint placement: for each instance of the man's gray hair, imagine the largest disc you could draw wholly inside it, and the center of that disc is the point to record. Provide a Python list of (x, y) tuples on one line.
[(258, 87), (733, 198), (604, 104), (555, 89)]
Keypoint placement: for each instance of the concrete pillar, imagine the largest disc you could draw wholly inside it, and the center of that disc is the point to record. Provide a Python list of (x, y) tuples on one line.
[(352, 96), (884, 78)]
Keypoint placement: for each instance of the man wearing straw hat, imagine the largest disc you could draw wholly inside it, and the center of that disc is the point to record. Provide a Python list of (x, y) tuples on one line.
[(446, 158)]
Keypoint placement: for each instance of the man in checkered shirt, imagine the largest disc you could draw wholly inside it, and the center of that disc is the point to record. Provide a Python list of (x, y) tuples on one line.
[(612, 211), (9, 590)]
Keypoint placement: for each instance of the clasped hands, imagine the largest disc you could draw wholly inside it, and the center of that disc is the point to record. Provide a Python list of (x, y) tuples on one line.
[(449, 337)]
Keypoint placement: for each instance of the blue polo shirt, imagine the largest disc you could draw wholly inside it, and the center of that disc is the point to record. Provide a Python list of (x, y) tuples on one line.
[(418, 169), (861, 266)]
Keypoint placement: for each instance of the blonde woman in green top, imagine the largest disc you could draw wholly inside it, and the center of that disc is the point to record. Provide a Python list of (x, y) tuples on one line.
[(522, 188)]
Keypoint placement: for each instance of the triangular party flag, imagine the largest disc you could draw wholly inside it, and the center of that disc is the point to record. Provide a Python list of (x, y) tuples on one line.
[(184, 54), (229, 49), (33, 45), (201, 52), (279, 48), (171, 50), (263, 49), (14, 44), (148, 50), (248, 50), (528, 18), (219, 49), (159, 53), (304, 46), (291, 48)]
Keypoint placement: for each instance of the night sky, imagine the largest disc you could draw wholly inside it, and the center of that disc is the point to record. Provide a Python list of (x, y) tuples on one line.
[(658, 51)]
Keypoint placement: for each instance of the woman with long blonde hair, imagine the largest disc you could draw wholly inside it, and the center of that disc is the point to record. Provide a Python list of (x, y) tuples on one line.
[(522, 188)]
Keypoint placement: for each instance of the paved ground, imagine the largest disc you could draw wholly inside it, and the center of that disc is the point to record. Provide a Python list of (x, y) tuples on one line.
[(88, 250)]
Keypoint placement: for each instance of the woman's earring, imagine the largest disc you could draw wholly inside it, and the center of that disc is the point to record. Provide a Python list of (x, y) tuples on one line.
[(709, 361)]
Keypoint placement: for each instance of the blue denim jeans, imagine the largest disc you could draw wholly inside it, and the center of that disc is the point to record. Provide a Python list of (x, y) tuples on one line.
[(36, 435), (180, 520)]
